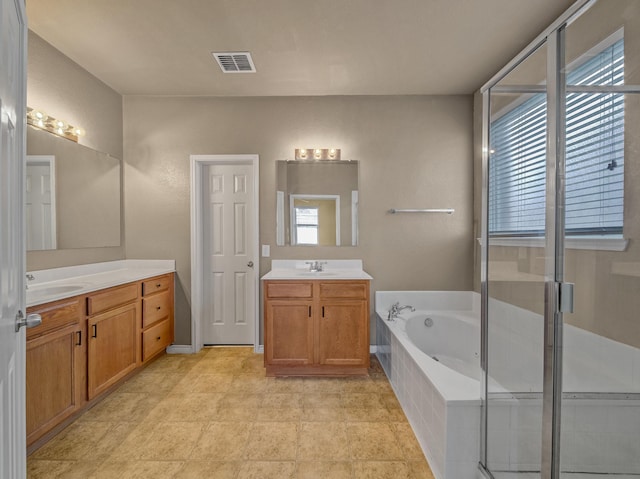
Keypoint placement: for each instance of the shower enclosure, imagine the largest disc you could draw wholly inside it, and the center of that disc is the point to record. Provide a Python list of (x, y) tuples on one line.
[(560, 251)]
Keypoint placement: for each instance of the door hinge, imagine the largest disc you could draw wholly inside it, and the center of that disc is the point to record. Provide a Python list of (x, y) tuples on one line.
[(565, 297)]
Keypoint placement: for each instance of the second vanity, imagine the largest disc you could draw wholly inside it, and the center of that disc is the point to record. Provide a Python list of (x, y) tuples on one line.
[(316, 323), (100, 323)]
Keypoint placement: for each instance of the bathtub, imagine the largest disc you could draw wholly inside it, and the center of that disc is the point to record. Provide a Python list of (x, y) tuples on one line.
[(435, 373), (434, 369)]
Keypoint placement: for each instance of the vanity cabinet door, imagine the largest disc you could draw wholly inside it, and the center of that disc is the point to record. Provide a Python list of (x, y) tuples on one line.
[(288, 332), (112, 346), (342, 334), (55, 379)]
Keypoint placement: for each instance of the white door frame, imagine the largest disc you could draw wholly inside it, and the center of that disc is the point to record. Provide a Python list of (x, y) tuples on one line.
[(198, 163), (50, 161)]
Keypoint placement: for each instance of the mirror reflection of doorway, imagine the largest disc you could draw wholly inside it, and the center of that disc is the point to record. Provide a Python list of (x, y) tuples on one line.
[(40, 208), (315, 220)]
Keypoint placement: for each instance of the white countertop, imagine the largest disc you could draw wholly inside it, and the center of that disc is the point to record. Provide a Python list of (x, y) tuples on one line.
[(59, 283), (334, 269)]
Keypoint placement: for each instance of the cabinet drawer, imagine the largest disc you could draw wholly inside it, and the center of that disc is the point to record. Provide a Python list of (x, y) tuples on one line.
[(346, 290), (56, 315), (155, 339), (298, 289), (153, 285), (110, 298), (155, 308)]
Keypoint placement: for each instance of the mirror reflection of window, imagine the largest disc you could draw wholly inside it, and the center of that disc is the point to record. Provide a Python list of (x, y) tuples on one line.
[(306, 225)]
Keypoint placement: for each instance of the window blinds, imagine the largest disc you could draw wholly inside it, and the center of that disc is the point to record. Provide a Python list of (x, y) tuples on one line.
[(594, 156)]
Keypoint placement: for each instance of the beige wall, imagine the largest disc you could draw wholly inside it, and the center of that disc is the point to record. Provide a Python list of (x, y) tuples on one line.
[(66, 91), (414, 152), (607, 283)]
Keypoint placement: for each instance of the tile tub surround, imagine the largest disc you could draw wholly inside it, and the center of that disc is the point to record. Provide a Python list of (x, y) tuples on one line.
[(215, 415), (601, 433), (447, 427), (92, 277)]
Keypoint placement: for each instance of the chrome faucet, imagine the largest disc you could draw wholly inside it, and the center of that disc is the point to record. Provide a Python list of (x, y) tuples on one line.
[(396, 309), (315, 266)]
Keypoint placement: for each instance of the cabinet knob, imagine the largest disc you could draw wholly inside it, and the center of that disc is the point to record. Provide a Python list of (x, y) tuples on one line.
[(158, 338), (158, 308), (158, 285)]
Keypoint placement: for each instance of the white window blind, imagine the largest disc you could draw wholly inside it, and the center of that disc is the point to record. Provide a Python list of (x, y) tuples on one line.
[(306, 225), (594, 156)]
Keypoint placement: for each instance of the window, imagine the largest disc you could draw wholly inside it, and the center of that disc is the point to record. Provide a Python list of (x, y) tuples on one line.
[(306, 225), (594, 156)]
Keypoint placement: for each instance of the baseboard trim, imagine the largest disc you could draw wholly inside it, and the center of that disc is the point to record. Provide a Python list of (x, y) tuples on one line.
[(373, 349), (180, 349), (259, 349)]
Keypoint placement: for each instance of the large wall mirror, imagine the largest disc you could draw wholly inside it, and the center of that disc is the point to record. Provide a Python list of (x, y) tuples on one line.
[(72, 194), (317, 203)]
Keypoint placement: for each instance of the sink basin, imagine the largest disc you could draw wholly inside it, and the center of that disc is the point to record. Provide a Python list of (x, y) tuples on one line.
[(51, 290), (316, 273)]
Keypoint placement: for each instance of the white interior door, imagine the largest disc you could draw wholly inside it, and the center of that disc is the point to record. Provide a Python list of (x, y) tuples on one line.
[(230, 293), (12, 256), (40, 212)]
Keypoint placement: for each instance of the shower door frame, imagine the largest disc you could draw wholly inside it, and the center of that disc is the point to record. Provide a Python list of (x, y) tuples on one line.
[(554, 304)]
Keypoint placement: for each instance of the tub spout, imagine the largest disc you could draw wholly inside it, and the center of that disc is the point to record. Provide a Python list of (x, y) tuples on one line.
[(396, 309)]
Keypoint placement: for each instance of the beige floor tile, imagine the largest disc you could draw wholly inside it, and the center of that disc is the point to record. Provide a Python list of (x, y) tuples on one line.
[(253, 364), (284, 385), (373, 441), (176, 363), (251, 385), (208, 470), (222, 441), (46, 469), (361, 400), (168, 441), (226, 351), (397, 415), (379, 414), (193, 407), (323, 385), (138, 470), (282, 400), (151, 382), (360, 385), (320, 400), (324, 470), (123, 407), (321, 414), (267, 470), (381, 470), (323, 441), (236, 414), (75, 442), (279, 414), (420, 470), (241, 400), (390, 401), (204, 383), (407, 441), (273, 441)]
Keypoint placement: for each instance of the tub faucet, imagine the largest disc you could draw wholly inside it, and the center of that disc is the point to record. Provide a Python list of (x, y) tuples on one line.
[(396, 309), (30, 277)]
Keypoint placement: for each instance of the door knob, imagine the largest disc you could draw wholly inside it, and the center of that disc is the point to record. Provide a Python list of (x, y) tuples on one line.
[(31, 321), (250, 264)]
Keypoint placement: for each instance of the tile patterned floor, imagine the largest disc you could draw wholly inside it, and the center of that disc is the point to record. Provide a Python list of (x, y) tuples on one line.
[(215, 415)]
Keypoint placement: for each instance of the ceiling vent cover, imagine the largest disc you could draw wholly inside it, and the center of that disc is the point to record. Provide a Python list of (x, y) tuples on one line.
[(235, 62)]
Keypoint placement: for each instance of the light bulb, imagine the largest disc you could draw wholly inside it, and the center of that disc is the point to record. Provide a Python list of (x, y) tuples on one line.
[(78, 132), (332, 153)]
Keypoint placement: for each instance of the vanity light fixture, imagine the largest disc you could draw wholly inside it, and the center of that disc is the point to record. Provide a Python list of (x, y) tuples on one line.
[(40, 119), (317, 153)]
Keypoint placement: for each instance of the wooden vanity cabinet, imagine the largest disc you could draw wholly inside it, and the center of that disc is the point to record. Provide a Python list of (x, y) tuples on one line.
[(316, 327), (113, 326), (56, 378), (157, 315)]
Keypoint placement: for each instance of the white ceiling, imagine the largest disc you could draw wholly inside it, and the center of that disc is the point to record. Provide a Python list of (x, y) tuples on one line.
[(300, 47)]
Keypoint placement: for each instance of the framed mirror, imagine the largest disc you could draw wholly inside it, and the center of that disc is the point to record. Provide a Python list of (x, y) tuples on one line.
[(72, 194), (317, 203)]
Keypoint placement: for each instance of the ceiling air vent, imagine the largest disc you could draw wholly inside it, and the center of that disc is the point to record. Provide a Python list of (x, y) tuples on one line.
[(235, 62)]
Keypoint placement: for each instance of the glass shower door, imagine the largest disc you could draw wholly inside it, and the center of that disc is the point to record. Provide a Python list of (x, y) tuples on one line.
[(600, 426), (515, 268)]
